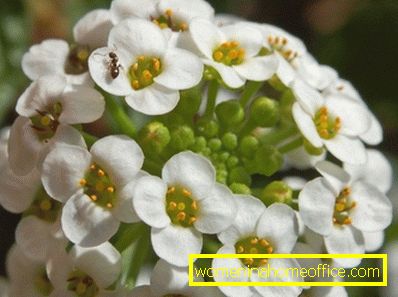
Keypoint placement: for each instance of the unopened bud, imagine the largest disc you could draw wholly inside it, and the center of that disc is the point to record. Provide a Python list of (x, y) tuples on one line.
[(230, 113), (264, 112), (277, 191), (238, 188), (182, 138), (154, 137), (248, 146)]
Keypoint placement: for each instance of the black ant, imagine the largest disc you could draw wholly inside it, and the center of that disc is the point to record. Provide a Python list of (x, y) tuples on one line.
[(113, 64)]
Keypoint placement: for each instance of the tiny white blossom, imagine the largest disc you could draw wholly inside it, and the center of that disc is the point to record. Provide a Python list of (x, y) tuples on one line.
[(258, 230), (96, 187), (342, 209), (149, 72), (335, 123), (233, 51), (182, 205), (175, 284)]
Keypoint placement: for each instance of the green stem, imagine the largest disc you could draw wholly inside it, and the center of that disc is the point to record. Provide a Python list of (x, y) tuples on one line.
[(127, 234), (152, 167), (247, 127), (88, 138), (211, 97), (278, 135), (291, 145), (251, 88), (123, 121)]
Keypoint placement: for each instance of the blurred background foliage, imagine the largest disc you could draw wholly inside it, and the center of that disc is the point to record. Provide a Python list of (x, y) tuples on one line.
[(359, 38)]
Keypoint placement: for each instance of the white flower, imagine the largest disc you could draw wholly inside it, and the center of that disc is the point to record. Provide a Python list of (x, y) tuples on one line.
[(258, 230), (84, 271), (175, 15), (169, 280), (28, 278), (301, 159), (341, 87), (341, 209), (150, 73), (233, 51), (182, 205), (95, 187), (47, 108), (225, 19), (335, 123), (93, 28)]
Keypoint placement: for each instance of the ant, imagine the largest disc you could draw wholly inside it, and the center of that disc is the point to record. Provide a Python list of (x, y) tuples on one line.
[(113, 64)]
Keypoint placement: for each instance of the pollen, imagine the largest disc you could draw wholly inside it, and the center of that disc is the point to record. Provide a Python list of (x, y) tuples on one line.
[(343, 207), (254, 245), (45, 205), (109, 205), (83, 182), (168, 12), (94, 197), (100, 173), (327, 125), (143, 71), (45, 121), (280, 44), (110, 189), (229, 53), (181, 207)]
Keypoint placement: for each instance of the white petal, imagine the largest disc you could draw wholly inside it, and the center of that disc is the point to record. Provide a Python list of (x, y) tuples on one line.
[(187, 9), (373, 211), (87, 224), (258, 68), (150, 201), (99, 67), (66, 134), (185, 241), (335, 175), (135, 37), (181, 70), (306, 125), (249, 211), (123, 9), (249, 38), (310, 99), (63, 169), (58, 267), (217, 211), (227, 73), (301, 159), (329, 291), (153, 100), (342, 147), (206, 36), (345, 240), (103, 263), (355, 119), (220, 264), (17, 192), (285, 71), (34, 236), (93, 28), (373, 240), (120, 157), (374, 135), (45, 58), (191, 171), (40, 94), (23, 147), (279, 225), (316, 205), (81, 105), (377, 171)]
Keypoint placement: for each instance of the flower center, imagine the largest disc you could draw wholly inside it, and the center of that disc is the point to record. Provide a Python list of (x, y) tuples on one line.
[(77, 60), (46, 122), (99, 187), (167, 20), (344, 205), (326, 125), (82, 284), (279, 44), (44, 207), (143, 71), (229, 53), (253, 245), (181, 207), (42, 284)]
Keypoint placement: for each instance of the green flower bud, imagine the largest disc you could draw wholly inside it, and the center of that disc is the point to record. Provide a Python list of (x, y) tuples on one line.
[(223, 157), (230, 141), (200, 144), (221, 176), (230, 113), (215, 144), (248, 146), (239, 175), (232, 162), (264, 112), (277, 191), (182, 138), (237, 188), (206, 152), (154, 137), (207, 128), (312, 150), (267, 160)]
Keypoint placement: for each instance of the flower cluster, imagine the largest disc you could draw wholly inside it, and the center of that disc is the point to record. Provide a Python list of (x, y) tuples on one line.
[(206, 114)]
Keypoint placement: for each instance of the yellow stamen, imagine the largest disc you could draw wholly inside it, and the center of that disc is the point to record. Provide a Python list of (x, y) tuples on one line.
[(249, 261), (168, 12), (347, 221), (172, 205), (135, 67), (45, 121), (218, 56), (240, 249), (93, 167), (135, 84), (181, 216), (270, 250), (181, 206), (147, 75), (186, 193), (156, 64), (254, 240), (109, 205), (263, 262), (340, 206), (110, 189), (83, 182), (192, 220), (171, 190), (94, 197), (264, 243), (194, 205), (45, 205), (183, 27), (253, 251), (100, 173)]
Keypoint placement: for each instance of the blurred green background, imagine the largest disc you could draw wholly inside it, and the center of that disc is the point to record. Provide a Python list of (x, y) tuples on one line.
[(359, 38)]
